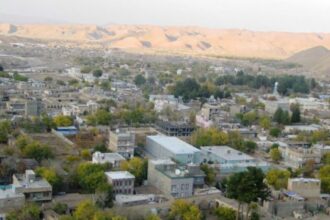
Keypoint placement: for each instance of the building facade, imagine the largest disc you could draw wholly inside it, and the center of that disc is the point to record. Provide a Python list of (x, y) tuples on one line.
[(34, 188), (163, 147), (122, 141), (164, 175), (122, 182)]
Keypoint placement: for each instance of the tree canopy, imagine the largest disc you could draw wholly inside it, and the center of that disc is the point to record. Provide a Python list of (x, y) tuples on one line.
[(182, 209), (278, 178), (63, 121)]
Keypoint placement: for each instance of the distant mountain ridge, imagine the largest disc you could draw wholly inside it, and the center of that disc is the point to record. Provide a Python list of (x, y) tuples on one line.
[(176, 40)]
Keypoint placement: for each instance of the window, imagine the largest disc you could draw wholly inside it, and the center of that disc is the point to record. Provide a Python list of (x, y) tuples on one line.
[(173, 188)]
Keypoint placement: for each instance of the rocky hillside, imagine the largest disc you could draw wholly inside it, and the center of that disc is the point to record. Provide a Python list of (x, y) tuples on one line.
[(175, 40)]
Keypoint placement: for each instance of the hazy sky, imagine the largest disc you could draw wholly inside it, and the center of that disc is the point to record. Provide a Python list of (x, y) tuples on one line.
[(276, 15)]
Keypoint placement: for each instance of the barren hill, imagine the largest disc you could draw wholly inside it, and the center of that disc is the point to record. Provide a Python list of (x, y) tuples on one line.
[(316, 59), (178, 40)]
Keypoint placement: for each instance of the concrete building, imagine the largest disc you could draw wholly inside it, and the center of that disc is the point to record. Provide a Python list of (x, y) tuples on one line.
[(121, 181), (175, 129), (230, 160), (163, 147), (122, 141), (306, 187), (114, 159), (35, 189), (164, 175)]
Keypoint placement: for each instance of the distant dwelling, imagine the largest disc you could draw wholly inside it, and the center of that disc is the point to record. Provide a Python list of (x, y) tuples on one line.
[(301, 128), (163, 101), (121, 181), (122, 141), (167, 177), (230, 160), (114, 159), (34, 188), (163, 147), (306, 187), (66, 131), (296, 157), (302, 196)]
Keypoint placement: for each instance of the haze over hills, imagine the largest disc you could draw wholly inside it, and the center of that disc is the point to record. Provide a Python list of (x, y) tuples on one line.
[(178, 40)]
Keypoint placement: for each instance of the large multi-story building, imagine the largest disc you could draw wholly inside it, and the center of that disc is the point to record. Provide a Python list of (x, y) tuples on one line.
[(230, 160), (122, 141), (34, 188), (163, 147), (122, 182)]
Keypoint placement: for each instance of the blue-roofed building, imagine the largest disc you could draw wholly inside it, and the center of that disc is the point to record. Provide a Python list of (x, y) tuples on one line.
[(164, 147), (70, 130)]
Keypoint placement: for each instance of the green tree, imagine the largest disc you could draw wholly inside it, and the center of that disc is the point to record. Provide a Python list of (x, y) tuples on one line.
[(278, 178), (249, 118), (324, 175), (308, 168), (91, 176), (247, 187), (51, 176), (63, 121), (265, 122), (60, 208), (210, 174), (249, 146), (208, 137), (37, 151), (275, 132), (139, 80), (100, 117), (275, 154), (281, 117), (182, 209), (48, 79), (326, 159), (5, 130), (30, 211), (295, 118), (97, 73), (138, 167), (85, 210), (225, 213)]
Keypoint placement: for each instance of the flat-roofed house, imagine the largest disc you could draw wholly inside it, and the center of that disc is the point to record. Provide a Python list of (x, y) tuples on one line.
[(34, 188)]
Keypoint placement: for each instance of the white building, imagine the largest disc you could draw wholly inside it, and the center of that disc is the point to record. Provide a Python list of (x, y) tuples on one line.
[(230, 160), (114, 159)]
